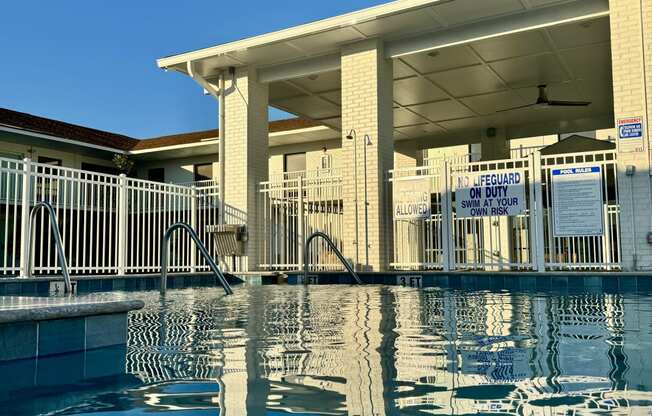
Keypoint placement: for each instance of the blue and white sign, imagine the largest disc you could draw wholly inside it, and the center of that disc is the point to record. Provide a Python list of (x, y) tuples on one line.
[(490, 194), (630, 128), (577, 201)]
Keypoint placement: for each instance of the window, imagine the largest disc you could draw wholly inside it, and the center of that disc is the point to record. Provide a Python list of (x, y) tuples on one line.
[(156, 174), (325, 162), (91, 167), (203, 172), (49, 161), (46, 189), (294, 162)]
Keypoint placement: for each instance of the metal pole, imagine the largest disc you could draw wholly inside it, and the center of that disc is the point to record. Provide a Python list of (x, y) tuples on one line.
[(24, 217), (355, 179), (222, 147), (54, 226), (367, 142), (335, 250), (202, 249)]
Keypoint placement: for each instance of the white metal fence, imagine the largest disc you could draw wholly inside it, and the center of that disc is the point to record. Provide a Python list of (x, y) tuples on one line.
[(108, 224), (446, 242), (293, 207)]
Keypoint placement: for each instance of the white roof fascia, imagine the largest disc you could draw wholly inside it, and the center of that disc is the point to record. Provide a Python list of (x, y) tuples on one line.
[(345, 20), (174, 147)]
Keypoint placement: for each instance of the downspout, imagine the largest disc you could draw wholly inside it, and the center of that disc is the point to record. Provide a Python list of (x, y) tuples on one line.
[(219, 95), (222, 152)]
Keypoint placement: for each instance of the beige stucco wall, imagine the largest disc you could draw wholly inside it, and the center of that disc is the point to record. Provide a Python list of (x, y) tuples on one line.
[(179, 170)]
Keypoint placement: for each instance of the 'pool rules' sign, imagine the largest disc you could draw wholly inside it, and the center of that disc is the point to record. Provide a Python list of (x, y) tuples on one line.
[(490, 194), (412, 198), (577, 201)]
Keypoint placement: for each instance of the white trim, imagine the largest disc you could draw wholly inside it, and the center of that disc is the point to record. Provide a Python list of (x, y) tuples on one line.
[(300, 69), (337, 22), (174, 147), (59, 139), (300, 131), (501, 26)]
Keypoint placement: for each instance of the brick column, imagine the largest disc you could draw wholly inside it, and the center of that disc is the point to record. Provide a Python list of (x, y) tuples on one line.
[(631, 46), (367, 108), (247, 154)]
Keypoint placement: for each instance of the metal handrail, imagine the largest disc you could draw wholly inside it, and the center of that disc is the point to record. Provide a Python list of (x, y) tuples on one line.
[(54, 227), (202, 249), (334, 248)]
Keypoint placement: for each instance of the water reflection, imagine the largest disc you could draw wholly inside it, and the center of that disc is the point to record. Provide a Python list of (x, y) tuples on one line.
[(385, 350)]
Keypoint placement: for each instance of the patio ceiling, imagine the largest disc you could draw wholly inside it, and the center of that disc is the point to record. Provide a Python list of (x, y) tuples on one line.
[(458, 90)]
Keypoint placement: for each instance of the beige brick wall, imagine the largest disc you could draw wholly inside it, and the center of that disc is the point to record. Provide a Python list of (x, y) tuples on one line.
[(631, 27), (247, 154), (313, 150), (367, 108)]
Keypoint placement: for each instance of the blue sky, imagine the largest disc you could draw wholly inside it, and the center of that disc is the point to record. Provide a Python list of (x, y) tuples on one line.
[(92, 62)]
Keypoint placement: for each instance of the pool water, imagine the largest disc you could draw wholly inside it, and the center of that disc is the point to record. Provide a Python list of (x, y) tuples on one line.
[(373, 350)]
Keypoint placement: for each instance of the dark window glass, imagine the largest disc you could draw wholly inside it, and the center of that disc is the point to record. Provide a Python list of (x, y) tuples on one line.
[(294, 162), (156, 175), (91, 167), (204, 172), (49, 161)]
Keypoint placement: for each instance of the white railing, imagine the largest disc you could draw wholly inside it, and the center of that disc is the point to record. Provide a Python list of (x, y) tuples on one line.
[(109, 224), (292, 209), (524, 151), (586, 252), (507, 243), (436, 161)]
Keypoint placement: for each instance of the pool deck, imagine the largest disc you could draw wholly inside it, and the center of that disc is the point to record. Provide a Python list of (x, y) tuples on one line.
[(41, 327)]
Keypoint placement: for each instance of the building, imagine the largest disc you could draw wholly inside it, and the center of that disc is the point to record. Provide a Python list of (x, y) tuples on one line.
[(413, 75), (399, 100)]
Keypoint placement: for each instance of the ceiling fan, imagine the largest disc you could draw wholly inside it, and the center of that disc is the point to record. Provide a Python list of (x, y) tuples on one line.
[(543, 102)]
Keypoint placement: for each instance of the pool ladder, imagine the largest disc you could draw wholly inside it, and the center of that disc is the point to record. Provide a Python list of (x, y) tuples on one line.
[(202, 249), (338, 253), (54, 228)]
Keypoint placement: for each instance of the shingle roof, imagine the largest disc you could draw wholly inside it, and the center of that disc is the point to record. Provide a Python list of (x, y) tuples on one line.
[(64, 130), (198, 136), (82, 134)]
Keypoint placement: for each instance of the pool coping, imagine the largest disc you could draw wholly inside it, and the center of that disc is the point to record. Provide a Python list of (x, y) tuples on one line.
[(35, 312)]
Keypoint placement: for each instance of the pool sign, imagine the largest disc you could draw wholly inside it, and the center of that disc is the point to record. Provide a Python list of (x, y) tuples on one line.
[(490, 194), (630, 134), (577, 201), (630, 128), (412, 198)]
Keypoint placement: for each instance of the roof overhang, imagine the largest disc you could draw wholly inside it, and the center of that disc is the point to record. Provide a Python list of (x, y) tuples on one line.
[(46, 140), (346, 26)]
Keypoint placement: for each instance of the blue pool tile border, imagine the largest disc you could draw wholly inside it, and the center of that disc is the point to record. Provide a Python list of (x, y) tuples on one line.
[(525, 282), (41, 287)]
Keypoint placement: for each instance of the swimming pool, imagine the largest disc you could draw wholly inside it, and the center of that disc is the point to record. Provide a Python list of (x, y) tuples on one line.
[(369, 350)]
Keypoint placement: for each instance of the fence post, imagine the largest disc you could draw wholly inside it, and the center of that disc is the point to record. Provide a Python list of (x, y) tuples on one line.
[(536, 214), (448, 246), (123, 207), (301, 240), (24, 217), (193, 224)]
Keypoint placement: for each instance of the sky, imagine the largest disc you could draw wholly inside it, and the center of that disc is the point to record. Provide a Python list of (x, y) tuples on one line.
[(93, 62)]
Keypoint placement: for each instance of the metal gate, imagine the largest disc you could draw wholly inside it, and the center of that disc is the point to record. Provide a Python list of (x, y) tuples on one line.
[(445, 241)]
